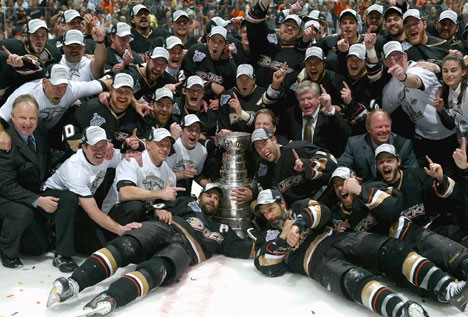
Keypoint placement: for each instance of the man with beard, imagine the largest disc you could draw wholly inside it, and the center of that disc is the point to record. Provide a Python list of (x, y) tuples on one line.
[(143, 34), (298, 170), (54, 94), (419, 45), (359, 152), (162, 114), (180, 29), (299, 241), (374, 19), (120, 54), (393, 23), (72, 20), (163, 250), (447, 29), (137, 186), (82, 174), (189, 158)]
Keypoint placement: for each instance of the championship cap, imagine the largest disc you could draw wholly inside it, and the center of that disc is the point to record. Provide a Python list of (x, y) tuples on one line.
[(73, 37), (157, 135), (358, 50), (245, 69), (317, 15), (122, 29), (218, 21), (312, 23), (341, 172), (93, 134), (190, 119), (214, 186), (138, 8), (268, 196), (375, 8), (295, 18), (123, 80), (163, 92), (392, 46), (349, 12), (71, 14), (172, 41), (261, 134), (314, 51), (412, 13), (218, 30), (160, 52), (58, 74), (449, 14), (179, 14), (392, 9), (35, 24), (194, 80), (385, 148)]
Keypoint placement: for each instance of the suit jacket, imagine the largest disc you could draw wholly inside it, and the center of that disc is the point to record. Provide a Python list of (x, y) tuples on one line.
[(330, 132), (21, 170), (359, 155)]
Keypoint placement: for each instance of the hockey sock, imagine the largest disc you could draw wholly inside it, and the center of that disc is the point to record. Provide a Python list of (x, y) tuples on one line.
[(381, 299), (138, 283)]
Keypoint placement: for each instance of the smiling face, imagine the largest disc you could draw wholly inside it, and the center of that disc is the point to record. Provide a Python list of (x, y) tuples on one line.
[(73, 52), (268, 149), (25, 116), (121, 98), (176, 55), (308, 102), (348, 26), (446, 29), (96, 154), (356, 66), (155, 67), (163, 110), (159, 151), (394, 25), (273, 213), (190, 136), (452, 73), (343, 195), (387, 165), (54, 93), (289, 32), (180, 27), (193, 97), (380, 127), (314, 67), (374, 22), (415, 30)]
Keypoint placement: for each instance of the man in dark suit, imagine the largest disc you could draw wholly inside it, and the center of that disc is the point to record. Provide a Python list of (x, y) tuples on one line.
[(359, 152), (23, 211), (315, 119)]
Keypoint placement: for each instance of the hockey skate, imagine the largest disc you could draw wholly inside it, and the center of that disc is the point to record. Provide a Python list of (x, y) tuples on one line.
[(413, 309), (62, 289), (100, 305), (459, 295)]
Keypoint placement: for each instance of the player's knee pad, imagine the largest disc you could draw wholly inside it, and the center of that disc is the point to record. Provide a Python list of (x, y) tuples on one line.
[(354, 281), (393, 252), (155, 270), (124, 249)]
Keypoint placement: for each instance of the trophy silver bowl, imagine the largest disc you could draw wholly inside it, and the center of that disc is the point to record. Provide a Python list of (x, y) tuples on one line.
[(234, 142)]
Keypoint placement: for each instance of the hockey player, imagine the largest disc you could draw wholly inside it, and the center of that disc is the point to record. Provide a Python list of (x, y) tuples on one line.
[(163, 250), (340, 261)]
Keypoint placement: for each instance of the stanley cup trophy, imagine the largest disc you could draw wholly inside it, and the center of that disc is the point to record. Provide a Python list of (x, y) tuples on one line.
[(234, 175)]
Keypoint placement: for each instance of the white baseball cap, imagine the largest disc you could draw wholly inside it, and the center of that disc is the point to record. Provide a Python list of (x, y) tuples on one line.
[(122, 29), (394, 9), (341, 172), (375, 8), (179, 14), (190, 119), (93, 134), (412, 13), (73, 37), (163, 93), (312, 23), (245, 69), (218, 30), (314, 51), (268, 196), (261, 134), (160, 134), (358, 50), (58, 74), (385, 148), (214, 186), (194, 80), (348, 11), (172, 41), (138, 8), (160, 52), (123, 80), (449, 14), (220, 21), (71, 14), (294, 17), (35, 24), (392, 46)]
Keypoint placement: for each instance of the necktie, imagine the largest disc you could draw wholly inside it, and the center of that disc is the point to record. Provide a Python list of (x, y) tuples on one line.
[(308, 129), (32, 144)]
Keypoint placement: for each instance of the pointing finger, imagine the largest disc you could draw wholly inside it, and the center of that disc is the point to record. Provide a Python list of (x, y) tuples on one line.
[(295, 154), (324, 91), (6, 50), (345, 85), (179, 189), (235, 95), (178, 84), (463, 145), (134, 133), (429, 160)]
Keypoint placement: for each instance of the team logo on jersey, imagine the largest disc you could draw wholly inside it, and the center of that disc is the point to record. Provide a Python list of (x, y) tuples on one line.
[(272, 234), (262, 170), (294, 86), (272, 38), (366, 223), (198, 56), (199, 226), (183, 164), (194, 206), (48, 114), (74, 72), (152, 182), (120, 135), (210, 77), (414, 211), (97, 120), (97, 182), (290, 182), (137, 86), (224, 99)]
